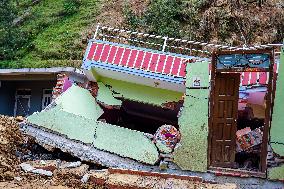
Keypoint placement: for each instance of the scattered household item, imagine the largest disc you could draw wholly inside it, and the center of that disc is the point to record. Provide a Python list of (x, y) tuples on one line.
[(166, 138), (247, 138)]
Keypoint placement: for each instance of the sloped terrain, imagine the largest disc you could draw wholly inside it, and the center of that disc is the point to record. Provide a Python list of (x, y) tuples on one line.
[(48, 33), (10, 140)]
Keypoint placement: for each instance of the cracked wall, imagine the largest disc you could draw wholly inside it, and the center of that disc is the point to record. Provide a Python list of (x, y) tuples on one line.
[(277, 124), (105, 96), (68, 117), (141, 93), (191, 152), (277, 129)]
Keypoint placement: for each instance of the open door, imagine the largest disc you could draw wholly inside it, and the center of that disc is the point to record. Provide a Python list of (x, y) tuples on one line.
[(224, 119)]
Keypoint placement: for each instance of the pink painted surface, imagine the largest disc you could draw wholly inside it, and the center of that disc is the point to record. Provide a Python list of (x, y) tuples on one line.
[(98, 52), (105, 53), (91, 51), (67, 84), (256, 98), (132, 58), (125, 57)]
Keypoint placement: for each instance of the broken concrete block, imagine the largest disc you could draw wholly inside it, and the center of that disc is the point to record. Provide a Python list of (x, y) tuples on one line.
[(79, 101), (126, 143), (78, 172), (28, 168), (68, 124), (48, 165), (85, 178), (42, 172), (141, 93), (70, 164), (75, 116)]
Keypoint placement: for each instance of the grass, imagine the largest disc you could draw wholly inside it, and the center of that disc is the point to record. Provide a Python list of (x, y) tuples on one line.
[(54, 37)]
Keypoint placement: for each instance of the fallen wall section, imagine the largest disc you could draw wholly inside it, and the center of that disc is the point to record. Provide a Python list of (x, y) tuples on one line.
[(65, 118)]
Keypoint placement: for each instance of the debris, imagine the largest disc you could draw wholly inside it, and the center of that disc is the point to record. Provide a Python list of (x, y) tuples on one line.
[(18, 178), (78, 172), (42, 172), (85, 178), (163, 165), (10, 140), (28, 168), (71, 165), (166, 138), (247, 138)]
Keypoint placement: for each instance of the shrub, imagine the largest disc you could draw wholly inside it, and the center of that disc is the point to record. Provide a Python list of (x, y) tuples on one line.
[(71, 6)]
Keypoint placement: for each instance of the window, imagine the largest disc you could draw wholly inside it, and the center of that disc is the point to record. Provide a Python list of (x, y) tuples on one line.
[(22, 102), (46, 98)]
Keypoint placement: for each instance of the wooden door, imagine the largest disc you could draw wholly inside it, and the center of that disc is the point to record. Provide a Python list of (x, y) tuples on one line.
[(224, 119)]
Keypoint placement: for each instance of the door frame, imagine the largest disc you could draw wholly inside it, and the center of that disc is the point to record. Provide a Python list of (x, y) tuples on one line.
[(269, 101)]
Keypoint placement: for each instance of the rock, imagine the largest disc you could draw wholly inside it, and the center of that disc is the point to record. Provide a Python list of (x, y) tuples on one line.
[(18, 178), (85, 178), (98, 177), (78, 172), (70, 165), (163, 165), (20, 118), (28, 168), (42, 172)]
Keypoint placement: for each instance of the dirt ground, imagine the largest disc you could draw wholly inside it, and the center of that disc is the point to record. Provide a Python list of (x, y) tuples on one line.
[(18, 151)]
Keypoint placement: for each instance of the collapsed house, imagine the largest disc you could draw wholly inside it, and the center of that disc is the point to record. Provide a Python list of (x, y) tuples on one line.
[(147, 109), (27, 90)]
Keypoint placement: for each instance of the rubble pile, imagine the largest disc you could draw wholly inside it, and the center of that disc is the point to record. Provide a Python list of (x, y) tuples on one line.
[(10, 139)]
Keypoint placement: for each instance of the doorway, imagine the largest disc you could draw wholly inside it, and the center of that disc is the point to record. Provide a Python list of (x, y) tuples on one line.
[(238, 129)]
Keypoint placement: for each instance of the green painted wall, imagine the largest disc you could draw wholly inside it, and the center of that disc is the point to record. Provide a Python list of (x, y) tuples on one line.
[(70, 118), (79, 101), (141, 93), (277, 125), (191, 153), (126, 143), (276, 173), (73, 126), (105, 96)]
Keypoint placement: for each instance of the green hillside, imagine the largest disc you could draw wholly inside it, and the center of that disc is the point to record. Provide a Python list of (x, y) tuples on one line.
[(46, 33), (51, 32)]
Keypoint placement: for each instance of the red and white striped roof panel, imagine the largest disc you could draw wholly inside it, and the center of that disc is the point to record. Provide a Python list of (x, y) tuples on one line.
[(138, 58), (154, 61)]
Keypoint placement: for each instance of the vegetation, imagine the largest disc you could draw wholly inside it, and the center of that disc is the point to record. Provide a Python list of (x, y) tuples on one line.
[(46, 33), (49, 33)]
